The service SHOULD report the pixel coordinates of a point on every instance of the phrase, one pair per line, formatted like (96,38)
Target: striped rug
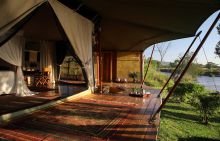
(84,119)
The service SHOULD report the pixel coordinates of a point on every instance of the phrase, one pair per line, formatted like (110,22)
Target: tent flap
(79,32)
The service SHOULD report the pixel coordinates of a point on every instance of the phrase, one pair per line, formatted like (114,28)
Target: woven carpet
(40,89)
(76,119)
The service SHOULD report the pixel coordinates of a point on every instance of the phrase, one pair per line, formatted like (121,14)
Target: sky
(178,47)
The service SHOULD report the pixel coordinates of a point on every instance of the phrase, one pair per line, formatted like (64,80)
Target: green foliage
(154,64)
(185,91)
(133,75)
(207,105)
(193,70)
(154,77)
(179,121)
(211,65)
(197,96)
(218,29)
(174,64)
(210,69)
(217,48)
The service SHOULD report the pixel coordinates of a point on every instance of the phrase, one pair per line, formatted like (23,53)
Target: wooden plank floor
(94,117)
(11,103)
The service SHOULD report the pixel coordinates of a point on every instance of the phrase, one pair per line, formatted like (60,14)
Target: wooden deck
(92,117)
(11,103)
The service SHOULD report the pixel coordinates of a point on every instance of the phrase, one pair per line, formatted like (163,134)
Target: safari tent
(98,33)
(117,26)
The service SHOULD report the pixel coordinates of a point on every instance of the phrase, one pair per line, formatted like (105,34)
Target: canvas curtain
(47,58)
(11,52)
(79,32)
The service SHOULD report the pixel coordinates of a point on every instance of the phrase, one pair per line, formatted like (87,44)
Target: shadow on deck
(90,117)
(10,103)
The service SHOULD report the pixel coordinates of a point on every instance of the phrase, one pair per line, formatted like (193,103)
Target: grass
(180,122)
(156,79)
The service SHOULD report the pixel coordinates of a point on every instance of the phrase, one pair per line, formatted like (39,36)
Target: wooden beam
(141,67)
(100,59)
(148,65)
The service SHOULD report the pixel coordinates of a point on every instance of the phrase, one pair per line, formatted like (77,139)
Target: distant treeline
(203,71)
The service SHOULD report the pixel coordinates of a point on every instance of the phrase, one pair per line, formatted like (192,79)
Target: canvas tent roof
(137,24)
(43,25)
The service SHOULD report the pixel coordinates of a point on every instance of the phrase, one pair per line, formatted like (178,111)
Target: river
(207,81)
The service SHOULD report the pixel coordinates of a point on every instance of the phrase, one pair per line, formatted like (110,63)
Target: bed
(6,81)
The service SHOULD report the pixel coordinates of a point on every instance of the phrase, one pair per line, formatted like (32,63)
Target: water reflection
(209,82)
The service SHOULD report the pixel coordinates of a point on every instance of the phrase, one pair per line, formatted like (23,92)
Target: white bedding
(6,81)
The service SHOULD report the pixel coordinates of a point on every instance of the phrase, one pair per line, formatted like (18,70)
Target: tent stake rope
(207,62)
(180,62)
(152,118)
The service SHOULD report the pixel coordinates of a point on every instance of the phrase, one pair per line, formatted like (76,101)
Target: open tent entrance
(45,44)
(70,71)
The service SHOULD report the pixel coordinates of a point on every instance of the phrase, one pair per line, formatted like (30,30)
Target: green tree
(193,70)
(186,91)
(207,105)
(154,77)
(174,64)
(162,49)
(154,63)
(217,47)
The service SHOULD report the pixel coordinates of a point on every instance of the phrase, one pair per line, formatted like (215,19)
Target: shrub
(207,105)
(185,91)
(156,79)
(196,95)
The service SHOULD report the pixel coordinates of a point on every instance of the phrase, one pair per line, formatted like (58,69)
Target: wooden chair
(41,80)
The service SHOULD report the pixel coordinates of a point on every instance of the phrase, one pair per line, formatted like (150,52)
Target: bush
(196,95)
(207,105)
(185,91)
(156,79)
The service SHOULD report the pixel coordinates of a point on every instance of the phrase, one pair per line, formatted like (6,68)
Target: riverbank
(204,72)
(210,82)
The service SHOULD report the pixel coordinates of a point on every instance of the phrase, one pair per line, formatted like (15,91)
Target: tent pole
(100,54)
(180,62)
(186,68)
(148,65)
